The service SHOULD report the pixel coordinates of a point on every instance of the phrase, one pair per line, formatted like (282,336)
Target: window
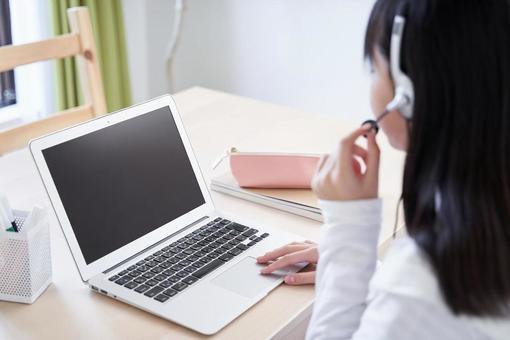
(7,83)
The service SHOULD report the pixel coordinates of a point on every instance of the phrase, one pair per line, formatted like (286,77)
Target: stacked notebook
(296,201)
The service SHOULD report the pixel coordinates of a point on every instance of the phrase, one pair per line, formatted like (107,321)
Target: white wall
(300,53)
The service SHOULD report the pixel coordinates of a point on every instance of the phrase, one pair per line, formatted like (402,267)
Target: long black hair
(456,188)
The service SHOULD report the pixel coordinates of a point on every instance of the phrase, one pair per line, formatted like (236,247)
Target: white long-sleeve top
(401,301)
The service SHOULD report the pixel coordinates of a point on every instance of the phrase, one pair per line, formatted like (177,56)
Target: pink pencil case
(272,170)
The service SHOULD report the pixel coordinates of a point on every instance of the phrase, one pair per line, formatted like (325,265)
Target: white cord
(172,45)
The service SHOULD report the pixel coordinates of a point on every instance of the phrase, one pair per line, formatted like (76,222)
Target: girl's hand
(351,172)
(293,253)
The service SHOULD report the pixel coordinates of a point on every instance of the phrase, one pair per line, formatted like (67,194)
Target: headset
(403,101)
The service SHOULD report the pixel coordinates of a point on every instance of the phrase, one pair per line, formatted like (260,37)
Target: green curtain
(108,26)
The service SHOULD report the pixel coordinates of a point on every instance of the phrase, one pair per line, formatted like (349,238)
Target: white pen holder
(25,260)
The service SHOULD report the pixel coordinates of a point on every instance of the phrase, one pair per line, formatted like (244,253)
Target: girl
(450,278)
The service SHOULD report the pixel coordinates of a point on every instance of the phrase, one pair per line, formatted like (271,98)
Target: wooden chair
(79,43)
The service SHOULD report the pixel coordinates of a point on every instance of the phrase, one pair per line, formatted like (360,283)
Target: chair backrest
(79,43)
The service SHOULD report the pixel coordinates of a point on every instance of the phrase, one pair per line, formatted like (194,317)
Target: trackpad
(244,278)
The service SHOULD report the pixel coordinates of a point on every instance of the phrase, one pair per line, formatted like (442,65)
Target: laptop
(140,223)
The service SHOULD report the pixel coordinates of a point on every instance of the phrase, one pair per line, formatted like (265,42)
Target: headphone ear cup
(404,90)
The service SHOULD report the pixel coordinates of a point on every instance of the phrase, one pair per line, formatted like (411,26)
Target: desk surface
(214,121)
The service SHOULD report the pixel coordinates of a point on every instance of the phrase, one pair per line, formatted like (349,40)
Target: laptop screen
(123,181)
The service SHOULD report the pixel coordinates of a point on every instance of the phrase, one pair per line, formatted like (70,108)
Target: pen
(4,221)
(7,212)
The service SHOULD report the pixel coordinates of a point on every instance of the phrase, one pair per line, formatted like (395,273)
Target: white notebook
(296,201)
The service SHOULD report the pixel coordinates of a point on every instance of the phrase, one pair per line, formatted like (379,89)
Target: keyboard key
(158,253)
(140,280)
(264,235)
(170,292)
(151,264)
(190,269)
(165,284)
(131,267)
(252,237)
(148,258)
(165,265)
(198,264)
(148,275)
(168,272)
(123,280)
(217,219)
(250,232)
(206,250)
(242,246)
(142,268)
(154,291)
(173,260)
(258,239)
(160,277)
(157,270)
(141,288)
(179,286)
(233,243)
(182,274)
(241,238)
(114,277)
(235,251)
(252,243)
(239,227)
(160,259)
(124,272)
(161,298)
(225,221)
(135,273)
(188,251)
(208,268)
(131,285)
(173,279)
(192,258)
(226,257)
(205,260)
(139,263)
(151,283)
(177,267)
(190,280)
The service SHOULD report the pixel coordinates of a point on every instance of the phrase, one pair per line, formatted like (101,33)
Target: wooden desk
(214,121)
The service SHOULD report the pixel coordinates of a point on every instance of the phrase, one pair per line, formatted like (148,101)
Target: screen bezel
(38,145)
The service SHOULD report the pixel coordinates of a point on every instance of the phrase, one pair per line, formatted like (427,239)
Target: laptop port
(104,292)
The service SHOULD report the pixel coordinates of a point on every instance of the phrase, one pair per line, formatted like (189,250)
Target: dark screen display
(124,181)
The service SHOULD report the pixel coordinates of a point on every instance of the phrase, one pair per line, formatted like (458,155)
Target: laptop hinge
(155,244)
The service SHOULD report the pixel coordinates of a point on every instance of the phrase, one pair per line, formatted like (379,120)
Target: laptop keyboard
(172,269)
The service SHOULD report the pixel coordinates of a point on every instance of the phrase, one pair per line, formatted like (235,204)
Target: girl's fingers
(373,156)
(274,254)
(347,145)
(307,255)
(360,152)
(300,278)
